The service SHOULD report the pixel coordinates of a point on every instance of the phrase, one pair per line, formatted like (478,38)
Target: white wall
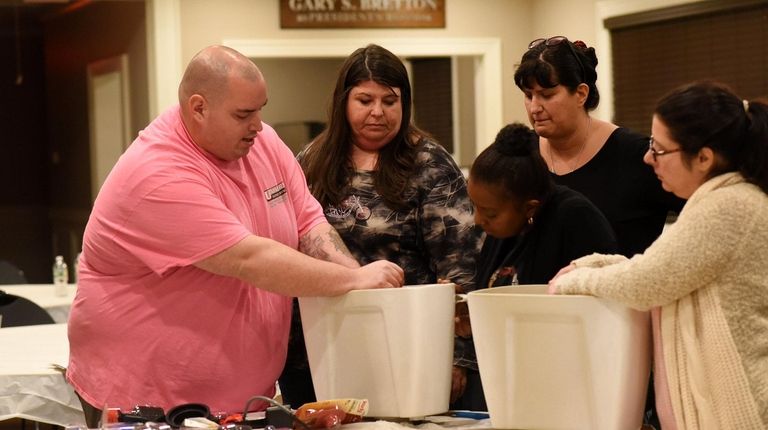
(508,20)
(513,22)
(574,19)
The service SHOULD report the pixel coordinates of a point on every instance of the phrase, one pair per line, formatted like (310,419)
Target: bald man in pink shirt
(197,241)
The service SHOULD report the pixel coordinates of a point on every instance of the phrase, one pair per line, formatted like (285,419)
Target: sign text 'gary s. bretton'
(362,13)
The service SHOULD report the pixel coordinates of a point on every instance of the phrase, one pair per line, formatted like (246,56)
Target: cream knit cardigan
(709,273)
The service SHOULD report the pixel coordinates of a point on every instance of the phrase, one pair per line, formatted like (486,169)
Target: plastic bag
(330,414)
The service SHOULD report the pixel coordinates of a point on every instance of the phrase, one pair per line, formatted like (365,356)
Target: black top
(566,227)
(626,190)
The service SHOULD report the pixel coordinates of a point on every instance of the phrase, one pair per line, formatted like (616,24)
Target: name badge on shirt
(275,194)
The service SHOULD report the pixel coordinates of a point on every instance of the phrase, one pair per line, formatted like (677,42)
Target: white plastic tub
(558,361)
(393,347)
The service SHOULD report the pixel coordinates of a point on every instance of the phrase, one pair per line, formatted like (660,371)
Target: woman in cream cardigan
(705,279)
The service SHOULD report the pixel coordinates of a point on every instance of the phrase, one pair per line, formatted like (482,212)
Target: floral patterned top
(435,237)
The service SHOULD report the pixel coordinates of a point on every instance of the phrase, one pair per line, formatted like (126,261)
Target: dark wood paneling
(432,98)
(650,59)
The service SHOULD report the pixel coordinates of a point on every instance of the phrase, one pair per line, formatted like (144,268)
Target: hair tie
(746,105)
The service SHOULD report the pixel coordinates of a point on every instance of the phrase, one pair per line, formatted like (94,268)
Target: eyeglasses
(557,40)
(656,153)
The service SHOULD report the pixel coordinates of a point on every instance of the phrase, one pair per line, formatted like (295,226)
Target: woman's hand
(458,382)
(552,288)
(462,325)
(457,287)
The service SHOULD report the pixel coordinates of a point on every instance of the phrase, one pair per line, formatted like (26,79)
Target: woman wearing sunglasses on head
(705,279)
(599,159)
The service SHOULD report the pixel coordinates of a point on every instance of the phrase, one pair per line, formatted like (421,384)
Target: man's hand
(379,274)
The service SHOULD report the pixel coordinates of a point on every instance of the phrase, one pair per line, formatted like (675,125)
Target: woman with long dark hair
(389,189)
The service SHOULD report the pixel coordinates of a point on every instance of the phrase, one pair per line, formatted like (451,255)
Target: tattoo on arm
(338,244)
(316,246)
(313,246)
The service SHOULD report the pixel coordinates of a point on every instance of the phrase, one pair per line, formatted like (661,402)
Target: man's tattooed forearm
(313,246)
(316,246)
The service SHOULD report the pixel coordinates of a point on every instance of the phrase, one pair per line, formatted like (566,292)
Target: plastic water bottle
(76,268)
(60,276)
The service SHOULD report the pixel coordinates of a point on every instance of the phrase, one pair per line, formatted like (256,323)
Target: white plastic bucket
(393,347)
(559,361)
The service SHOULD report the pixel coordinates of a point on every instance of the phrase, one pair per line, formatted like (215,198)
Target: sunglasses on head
(557,40)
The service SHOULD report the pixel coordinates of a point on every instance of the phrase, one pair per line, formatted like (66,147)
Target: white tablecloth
(448,424)
(29,386)
(43,295)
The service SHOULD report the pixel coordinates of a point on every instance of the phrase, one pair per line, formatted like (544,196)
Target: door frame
(486,52)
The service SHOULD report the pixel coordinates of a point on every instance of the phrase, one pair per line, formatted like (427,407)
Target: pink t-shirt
(147,327)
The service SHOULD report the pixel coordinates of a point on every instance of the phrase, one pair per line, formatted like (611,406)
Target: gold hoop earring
(530,220)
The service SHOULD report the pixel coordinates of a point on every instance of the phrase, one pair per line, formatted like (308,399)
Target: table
(468,424)
(30,387)
(43,295)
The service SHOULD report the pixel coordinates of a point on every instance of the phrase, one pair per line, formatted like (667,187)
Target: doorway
(485,55)
(109,116)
